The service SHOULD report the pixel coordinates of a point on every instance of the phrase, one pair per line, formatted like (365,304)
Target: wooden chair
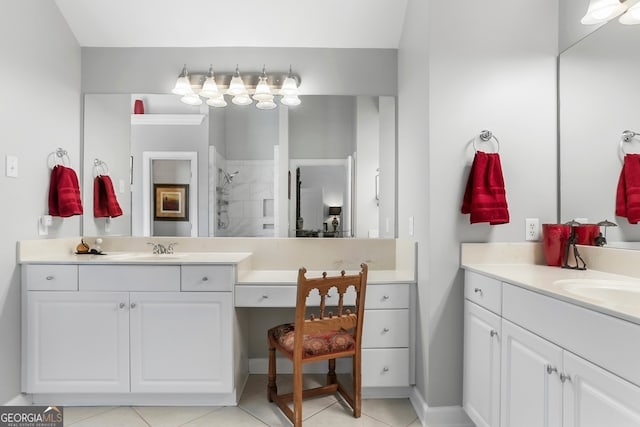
(325,336)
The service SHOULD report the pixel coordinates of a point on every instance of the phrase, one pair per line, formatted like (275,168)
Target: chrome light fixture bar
(242,88)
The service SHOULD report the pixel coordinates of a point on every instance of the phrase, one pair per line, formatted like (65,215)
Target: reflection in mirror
(597,102)
(243,157)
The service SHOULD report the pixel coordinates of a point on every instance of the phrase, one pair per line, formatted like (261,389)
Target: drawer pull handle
(265,296)
(493,333)
(133,305)
(205,279)
(49,277)
(551,369)
(385,297)
(385,330)
(565,377)
(122,305)
(385,369)
(478,291)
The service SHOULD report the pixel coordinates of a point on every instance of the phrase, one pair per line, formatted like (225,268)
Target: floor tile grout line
(144,420)
(203,415)
(252,415)
(92,416)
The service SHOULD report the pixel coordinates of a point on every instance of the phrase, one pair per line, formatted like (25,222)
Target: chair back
(349,312)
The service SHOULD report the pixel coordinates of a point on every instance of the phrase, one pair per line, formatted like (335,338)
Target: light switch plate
(11,163)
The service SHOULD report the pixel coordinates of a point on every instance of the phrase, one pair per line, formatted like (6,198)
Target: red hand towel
(628,192)
(105,203)
(64,192)
(485,197)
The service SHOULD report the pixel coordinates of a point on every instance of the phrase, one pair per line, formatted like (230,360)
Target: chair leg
(297,393)
(357,386)
(272,388)
(331,375)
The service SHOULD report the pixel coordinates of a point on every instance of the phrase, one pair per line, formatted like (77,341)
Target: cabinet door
(594,397)
(77,342)
(531,390)
(181,342)
(481,378)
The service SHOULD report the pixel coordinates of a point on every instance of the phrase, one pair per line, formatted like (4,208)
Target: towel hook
(100,168)
(58,157)
(486,136)
(628,137)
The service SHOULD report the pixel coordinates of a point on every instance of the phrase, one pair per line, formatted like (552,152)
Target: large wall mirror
(598,100)
(325,168)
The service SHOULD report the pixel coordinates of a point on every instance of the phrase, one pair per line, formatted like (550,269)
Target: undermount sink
(617,292)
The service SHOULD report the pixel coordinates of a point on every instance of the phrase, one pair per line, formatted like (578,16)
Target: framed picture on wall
(171,202)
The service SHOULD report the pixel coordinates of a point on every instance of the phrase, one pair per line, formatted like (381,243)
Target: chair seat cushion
(314,344)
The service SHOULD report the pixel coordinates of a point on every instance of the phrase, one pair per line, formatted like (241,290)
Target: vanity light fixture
(243,89)
(601,11)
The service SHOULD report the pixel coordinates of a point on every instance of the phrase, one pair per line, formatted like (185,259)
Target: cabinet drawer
(385,367)
(265,296)
(483,290)
(50,277)
(129,277)
(387,296)
(385,328)
(207,278)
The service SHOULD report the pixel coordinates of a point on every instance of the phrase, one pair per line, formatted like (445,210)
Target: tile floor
(252,410)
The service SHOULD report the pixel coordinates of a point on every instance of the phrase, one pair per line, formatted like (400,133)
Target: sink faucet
(160,249)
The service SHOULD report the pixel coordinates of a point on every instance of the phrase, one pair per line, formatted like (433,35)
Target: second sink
(612,292)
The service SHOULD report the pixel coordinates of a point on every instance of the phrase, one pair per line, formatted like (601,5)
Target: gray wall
(40,112)
(494,69)
(324,129)
(249,133)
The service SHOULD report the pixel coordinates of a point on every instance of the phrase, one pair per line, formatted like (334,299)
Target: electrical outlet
(532,229)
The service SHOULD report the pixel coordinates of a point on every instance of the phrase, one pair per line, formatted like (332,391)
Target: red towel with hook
(628,192)
(105,203)
(64,192)
(485,196)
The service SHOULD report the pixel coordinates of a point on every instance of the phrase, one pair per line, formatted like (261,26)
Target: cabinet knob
(385,369)
(49,277)
(551,369)
(133,305)
(205,279)
(122,305)
(265,296)
(565,377)
(385,297)
(478,291)
(493,333)
(385,330)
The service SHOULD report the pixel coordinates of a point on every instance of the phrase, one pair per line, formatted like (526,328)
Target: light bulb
(217,101)
(632,17)
(210,88)
(183,85)
(289,87)
(242,99)
(191,99)
(290,100)
(600,11)
(263,91)
(266,105)
(236,87)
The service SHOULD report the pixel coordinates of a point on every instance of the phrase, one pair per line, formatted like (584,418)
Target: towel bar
(100,168)
(627,136)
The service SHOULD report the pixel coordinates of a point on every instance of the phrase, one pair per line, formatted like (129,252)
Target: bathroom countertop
(141,258)
(542,279)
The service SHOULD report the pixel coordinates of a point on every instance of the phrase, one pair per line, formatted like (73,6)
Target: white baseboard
(284,366)
(20,400)
(440,416)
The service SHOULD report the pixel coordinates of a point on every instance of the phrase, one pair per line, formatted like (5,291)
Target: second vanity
(545,346)
(136,328)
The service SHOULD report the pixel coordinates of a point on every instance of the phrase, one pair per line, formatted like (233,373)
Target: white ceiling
(236,23)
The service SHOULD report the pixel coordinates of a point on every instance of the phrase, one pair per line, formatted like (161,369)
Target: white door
(531,389)
(77,342)
(594,397)
(181,342)
(481,379)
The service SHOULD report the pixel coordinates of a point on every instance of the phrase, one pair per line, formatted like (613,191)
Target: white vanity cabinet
(560,364)
(482,335)
(128,329)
